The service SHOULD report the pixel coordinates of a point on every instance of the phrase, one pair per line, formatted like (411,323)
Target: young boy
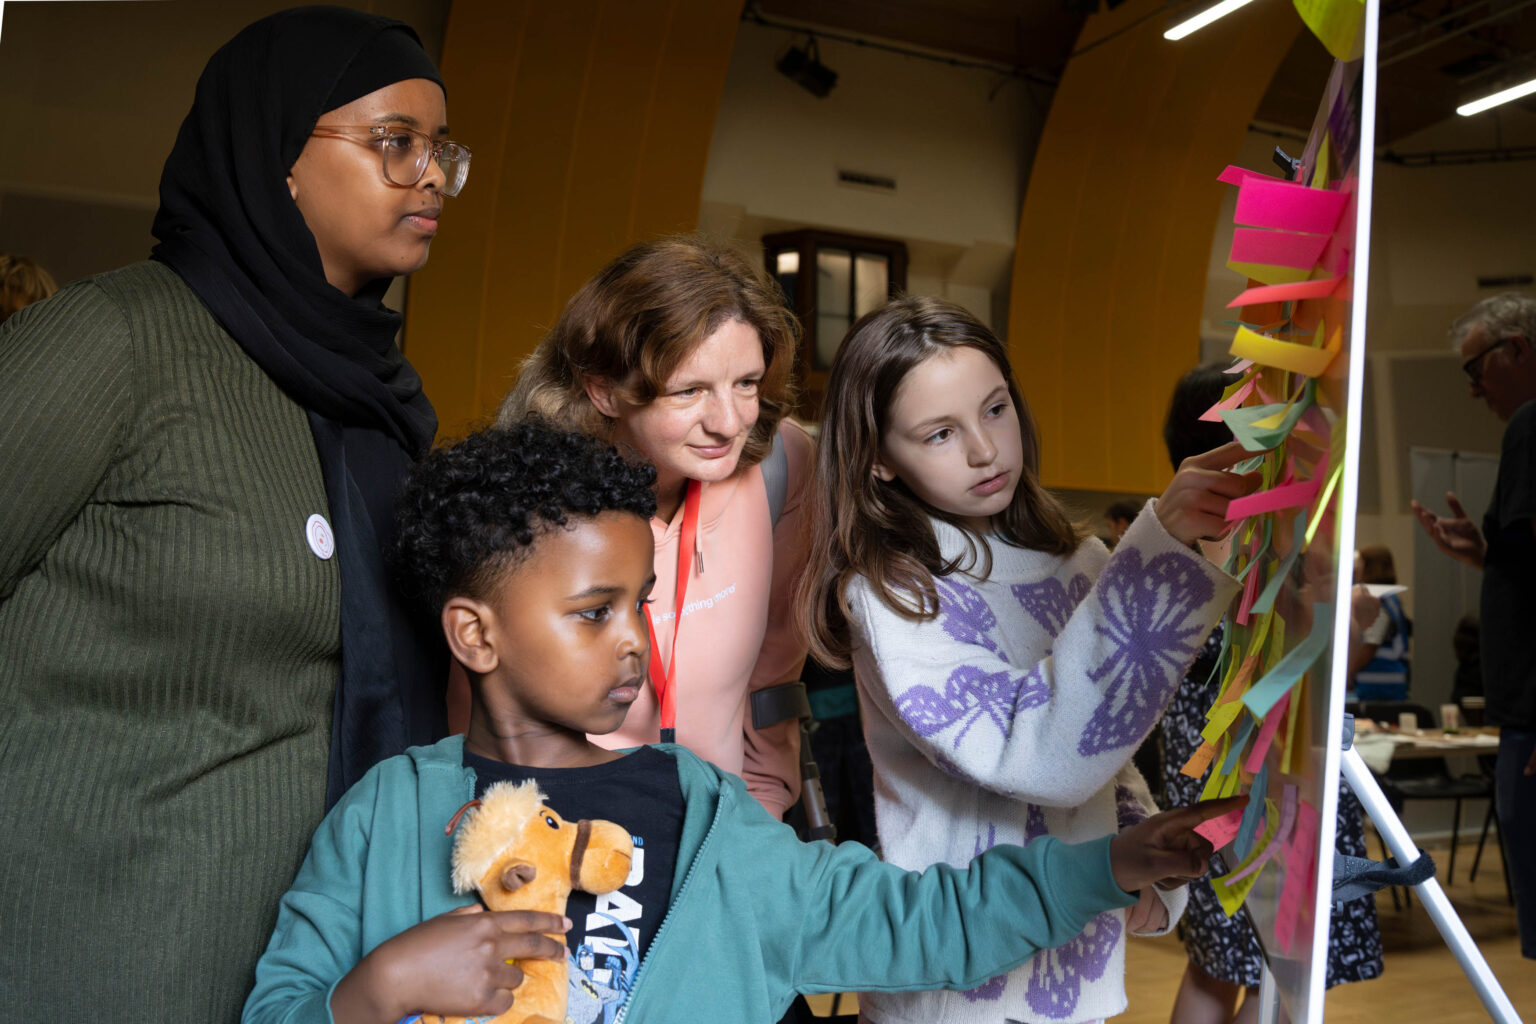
(535,545)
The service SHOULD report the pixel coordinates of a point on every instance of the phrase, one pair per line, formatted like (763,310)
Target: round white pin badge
(318,532)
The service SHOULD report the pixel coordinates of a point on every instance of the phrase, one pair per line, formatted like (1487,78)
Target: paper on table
(1384,589)
(1270,203)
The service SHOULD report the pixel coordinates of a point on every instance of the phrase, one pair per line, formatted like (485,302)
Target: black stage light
(805,69)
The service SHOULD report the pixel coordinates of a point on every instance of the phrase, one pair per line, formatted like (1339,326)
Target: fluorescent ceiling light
(1514,92)
(1204,18)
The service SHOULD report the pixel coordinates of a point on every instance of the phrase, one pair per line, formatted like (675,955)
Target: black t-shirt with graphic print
(610,934)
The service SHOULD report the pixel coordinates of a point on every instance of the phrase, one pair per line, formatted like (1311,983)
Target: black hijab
(229,227)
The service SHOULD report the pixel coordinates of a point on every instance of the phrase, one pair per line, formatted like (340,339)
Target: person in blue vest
(1380,666)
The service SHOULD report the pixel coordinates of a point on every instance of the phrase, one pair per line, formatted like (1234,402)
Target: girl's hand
(462,963)
(1194,506)
(1148,915)
(1166,848)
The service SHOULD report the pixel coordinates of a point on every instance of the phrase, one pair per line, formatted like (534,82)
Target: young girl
(1007,667)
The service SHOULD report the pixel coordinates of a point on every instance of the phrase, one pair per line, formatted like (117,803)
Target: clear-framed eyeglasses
(406,153)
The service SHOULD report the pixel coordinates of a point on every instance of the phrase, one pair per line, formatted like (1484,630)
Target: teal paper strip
(1266,599)
(1253,815)
(1278,681)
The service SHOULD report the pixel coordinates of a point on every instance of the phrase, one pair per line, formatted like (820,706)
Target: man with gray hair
(1497,341)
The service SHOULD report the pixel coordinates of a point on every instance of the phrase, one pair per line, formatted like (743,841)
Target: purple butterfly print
(991,840)
(966,616)
(972,695)
(1146,614)
(1051,604)
(1128,809)
(990,990)
(1034,823)
(1057,979)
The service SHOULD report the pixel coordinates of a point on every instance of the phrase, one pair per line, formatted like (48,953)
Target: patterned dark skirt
(1225,947)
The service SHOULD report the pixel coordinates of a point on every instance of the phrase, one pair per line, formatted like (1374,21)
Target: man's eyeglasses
(406,153)
(1474,367)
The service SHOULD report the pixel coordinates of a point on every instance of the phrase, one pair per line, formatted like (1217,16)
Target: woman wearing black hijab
(198,457)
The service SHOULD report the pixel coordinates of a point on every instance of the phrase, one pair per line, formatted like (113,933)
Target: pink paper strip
(1298,872)
(1270,203)
(1213,414)
(1220,831)
(1234,175)
(1314,422)
(1287,496)
(1285,292)
(1266,735)
(1277,248)
(1241,366)
(1250,594)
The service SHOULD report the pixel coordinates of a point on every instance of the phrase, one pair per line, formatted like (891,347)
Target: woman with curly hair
(680,349)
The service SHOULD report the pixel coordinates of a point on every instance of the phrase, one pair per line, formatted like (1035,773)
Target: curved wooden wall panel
(590,121)
(1115,233)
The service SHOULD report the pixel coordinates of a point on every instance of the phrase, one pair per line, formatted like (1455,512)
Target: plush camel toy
(520,855)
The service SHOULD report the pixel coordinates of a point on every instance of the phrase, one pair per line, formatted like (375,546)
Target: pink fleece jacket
(737,631)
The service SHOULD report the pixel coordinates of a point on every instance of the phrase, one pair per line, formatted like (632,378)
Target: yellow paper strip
(1232,894)
(1299,699)
(1219,719)
(1285,355)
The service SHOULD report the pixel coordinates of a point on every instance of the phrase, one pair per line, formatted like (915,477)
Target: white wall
(957,141)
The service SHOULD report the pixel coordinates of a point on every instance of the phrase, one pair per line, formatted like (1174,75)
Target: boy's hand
(1194,505)
(1166,848)
(462,963)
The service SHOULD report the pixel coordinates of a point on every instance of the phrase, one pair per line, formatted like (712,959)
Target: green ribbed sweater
(169,649)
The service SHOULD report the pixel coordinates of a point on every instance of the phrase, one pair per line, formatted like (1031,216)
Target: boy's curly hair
(474,508)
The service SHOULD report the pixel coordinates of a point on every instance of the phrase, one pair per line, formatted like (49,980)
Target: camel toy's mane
(492,827)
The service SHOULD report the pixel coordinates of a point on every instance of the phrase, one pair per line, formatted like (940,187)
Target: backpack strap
(776,478)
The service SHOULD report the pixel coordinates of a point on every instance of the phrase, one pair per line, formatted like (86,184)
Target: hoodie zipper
(666,921)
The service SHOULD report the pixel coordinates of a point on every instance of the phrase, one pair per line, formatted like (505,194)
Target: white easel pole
(1430,893)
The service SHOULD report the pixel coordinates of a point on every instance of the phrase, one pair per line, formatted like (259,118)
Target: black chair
(1486,763)
(1425,778)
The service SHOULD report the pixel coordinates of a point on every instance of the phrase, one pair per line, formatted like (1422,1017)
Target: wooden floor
(1422,980)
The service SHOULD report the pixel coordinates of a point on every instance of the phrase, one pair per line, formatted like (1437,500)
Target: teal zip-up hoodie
(756,914)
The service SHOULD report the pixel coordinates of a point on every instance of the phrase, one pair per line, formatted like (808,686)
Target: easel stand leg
(1430,893)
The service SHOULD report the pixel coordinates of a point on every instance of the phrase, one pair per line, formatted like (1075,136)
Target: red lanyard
(662,679)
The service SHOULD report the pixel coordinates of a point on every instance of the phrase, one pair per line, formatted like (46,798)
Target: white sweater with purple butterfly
(1013,714)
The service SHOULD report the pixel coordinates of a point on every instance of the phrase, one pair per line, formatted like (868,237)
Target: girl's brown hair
(640,317)
(863,526)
